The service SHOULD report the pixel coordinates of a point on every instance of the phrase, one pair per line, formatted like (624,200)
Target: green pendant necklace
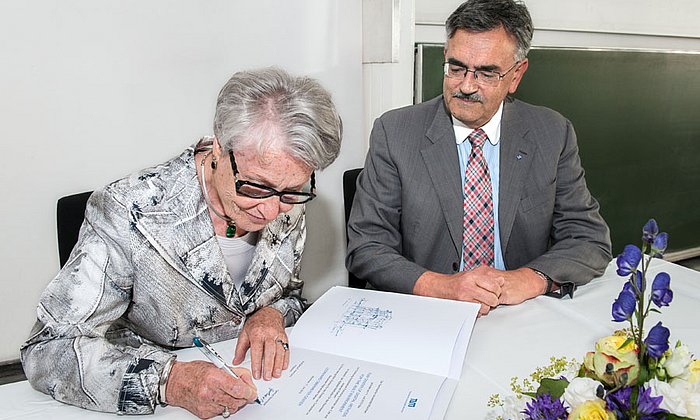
(231,225)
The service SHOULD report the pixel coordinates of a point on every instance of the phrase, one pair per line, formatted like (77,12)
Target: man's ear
(518,73)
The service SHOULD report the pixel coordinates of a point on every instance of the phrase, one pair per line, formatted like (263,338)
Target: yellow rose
(609,362)
(694,369)
(591,410)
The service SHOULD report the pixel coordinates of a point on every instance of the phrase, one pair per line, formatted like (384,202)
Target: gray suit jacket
(407,215)
(147,275)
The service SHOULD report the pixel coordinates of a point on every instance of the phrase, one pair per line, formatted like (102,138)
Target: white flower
(676,364)
(685,387)
(692,405)
(673,400)
(690,394)
(581,390)
(571,372)
(513,407)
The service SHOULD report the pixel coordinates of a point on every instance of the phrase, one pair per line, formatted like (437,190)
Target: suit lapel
(517,153)
(271,266)
(174,220)
(207,269)
(442,163)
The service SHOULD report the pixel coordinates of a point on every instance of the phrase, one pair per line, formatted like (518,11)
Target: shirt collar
(491,128)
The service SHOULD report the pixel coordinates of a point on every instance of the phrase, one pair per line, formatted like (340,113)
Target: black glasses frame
(487,81)
(287,197)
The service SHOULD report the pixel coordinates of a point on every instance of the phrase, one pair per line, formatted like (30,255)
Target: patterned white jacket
(146,276)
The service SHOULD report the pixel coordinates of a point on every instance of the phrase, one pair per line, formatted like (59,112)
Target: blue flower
(649,231)
(657,340)
(628,261)
(624,305)
(619,401)
(639,290)
(658,247)
(661,294)
(648,406)
(544,407)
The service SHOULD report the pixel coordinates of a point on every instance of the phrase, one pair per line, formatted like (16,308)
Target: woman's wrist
(163,383)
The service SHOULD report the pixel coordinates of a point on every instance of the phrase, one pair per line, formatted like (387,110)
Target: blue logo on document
(412,402)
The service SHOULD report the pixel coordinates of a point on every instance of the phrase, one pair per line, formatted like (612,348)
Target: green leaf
(634,395)
(654,310)
(643,374)
(669,416)
(553,387)
(629,340)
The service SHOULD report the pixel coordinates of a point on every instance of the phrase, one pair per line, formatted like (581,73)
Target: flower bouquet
(631,374)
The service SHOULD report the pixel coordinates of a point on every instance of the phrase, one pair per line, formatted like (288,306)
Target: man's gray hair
(264,108)
(485,15)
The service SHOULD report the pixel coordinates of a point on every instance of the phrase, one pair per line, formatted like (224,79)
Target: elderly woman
(207,244)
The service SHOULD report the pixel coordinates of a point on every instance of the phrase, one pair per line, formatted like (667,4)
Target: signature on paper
(267,396)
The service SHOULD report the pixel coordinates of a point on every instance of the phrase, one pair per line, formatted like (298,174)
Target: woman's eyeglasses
(253,190)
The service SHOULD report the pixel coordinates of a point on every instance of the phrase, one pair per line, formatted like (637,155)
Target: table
(514,341)
(510,341)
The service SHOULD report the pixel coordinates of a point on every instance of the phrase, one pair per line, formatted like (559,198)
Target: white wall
(93,90)
(389,85)
(673,17)
(636,24)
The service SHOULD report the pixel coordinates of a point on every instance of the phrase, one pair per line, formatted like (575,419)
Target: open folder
(365,354)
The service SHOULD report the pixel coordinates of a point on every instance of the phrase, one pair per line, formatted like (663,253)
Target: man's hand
(263,332)
(207,391)
(482,285)
(520,285)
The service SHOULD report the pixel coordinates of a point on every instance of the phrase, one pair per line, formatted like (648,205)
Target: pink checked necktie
(478,207)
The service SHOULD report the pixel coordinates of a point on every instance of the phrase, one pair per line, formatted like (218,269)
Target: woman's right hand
(207,391)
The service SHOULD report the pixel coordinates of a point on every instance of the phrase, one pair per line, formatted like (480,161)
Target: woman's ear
(217,150)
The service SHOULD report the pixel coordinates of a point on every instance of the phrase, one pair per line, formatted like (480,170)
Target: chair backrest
(349,187)
(70,212)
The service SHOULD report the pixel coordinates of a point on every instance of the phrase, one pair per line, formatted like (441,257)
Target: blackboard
(637,119)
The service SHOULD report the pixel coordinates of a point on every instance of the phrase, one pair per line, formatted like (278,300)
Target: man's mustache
(468,97)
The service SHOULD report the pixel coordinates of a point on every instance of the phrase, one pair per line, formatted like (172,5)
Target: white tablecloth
(510,341)
(514,341)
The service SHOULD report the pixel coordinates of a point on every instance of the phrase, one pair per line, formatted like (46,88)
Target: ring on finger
(284,344)
(225,413)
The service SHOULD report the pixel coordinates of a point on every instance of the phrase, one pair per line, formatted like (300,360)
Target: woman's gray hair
(264,108)
(485,15)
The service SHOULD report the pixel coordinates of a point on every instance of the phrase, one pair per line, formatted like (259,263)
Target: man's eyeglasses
(253,190)
(482,77)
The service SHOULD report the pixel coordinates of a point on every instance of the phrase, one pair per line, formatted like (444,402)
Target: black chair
(349,187)
(70,212)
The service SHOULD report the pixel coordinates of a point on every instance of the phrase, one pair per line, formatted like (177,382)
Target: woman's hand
(263,332)
(207,391)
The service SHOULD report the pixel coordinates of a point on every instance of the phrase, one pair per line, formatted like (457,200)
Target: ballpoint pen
(215,358)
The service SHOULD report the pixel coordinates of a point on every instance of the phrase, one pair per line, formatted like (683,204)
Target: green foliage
(553,387)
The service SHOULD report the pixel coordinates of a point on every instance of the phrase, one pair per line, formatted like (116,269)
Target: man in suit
(416,225)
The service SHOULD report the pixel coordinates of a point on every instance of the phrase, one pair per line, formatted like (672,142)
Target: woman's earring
(213,163)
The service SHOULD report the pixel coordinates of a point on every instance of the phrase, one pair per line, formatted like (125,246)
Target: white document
(364,354)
